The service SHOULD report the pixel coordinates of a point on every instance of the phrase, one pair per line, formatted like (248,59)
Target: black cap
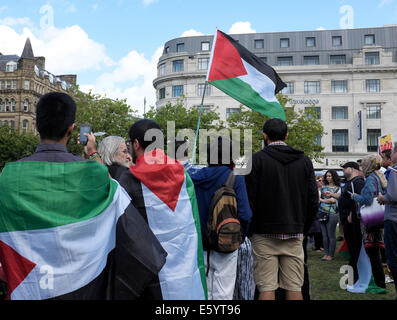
(351,164)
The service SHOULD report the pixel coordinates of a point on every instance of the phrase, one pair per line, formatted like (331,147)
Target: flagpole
(198,123)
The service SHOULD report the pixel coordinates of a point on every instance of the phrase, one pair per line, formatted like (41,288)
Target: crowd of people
(279,204)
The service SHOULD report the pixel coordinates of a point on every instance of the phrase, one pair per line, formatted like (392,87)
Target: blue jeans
(329,237)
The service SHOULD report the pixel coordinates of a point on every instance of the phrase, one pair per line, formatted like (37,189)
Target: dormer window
(11,66)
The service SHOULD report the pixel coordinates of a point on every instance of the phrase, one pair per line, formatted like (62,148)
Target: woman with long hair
(329,205)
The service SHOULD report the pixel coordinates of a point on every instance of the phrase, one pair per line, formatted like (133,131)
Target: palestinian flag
(68,231)
(164,194)
(344,250)
(243,76)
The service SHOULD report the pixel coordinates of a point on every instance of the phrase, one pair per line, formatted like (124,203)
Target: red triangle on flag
(226,60)
(161,175)
(16,267)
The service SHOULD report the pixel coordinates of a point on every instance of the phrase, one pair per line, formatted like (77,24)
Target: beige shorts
(277,263)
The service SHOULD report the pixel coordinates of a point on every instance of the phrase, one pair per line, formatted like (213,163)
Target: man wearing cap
(348,211)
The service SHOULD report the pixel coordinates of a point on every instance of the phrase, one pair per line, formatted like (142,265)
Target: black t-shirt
(345,203)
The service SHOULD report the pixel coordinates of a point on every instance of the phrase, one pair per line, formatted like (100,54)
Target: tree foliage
(303,128)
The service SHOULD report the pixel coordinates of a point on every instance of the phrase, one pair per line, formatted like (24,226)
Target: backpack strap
(231,180)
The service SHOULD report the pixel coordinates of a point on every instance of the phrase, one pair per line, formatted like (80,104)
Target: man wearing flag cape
(68,231)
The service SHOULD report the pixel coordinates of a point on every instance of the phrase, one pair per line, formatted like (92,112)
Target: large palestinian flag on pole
(68,231)
(164,194)
(243,76)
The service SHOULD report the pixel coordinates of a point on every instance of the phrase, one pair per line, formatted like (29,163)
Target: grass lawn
(324,280)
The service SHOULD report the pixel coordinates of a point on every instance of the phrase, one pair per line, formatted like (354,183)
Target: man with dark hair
(284,199)
(164,195)
(68,231)
(222,269)
(387,163)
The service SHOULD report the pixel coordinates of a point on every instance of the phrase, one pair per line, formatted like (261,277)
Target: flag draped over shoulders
(68,231)
(243,76)
(164,194)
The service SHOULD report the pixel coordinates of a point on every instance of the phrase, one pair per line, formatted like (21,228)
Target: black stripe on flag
(257,63)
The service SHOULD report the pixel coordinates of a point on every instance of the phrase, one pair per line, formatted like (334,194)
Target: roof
(5,59)
(27,52)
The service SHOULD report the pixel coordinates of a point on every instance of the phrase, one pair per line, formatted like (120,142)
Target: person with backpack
(225,216)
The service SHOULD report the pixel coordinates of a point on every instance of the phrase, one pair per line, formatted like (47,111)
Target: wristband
(92,153)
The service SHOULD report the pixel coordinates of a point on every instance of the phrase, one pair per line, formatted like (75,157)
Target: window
(313,113)
(200,89)
(230,111)
(205,46)
(25,125)
(162,93)
(12,124)
(177,66)
(26,105)
(340,140)
(14,84)
(312,87)
(8,84)
(203,63)
(8,105)
(259,44)
(369,39)
(339,86)
(167,50)
(310,42)
(372,85)
(374,111)
(337,59)
(372,139)
(2,85)
(289,89)
(372,58)
(162,69)
(337,41)
(1,106)
(284,61)
(13,105)
(317,142)
(180,47)
(284,43)
(11,66)
(27,85)
(177,91)
(340,113)
(311,60)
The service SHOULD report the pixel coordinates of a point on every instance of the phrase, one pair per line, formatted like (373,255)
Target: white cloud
(70,45)
(383,3)
(241,27)
(135,73)
(191,33)
(320,28)
(13,22)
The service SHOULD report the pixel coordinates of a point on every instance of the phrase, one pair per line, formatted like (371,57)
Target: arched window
(25,125)
(1,106)
(13,105)
(12,124)
(26,105)
(7,105)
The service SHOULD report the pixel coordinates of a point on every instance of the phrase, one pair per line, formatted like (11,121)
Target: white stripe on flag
(180,277)
(67,257)
(262,84)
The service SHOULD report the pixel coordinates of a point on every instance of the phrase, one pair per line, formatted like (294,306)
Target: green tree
(303,128)
(114,117)
(15,145)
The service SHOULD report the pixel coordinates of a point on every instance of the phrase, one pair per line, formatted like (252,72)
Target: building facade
(23,80)
(348,76)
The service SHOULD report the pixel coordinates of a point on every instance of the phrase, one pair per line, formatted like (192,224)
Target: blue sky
(114,46)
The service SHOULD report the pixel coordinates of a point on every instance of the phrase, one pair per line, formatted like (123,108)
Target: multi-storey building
(23,80)
(348,76)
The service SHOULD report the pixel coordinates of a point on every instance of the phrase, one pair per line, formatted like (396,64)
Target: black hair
(335,177)
(275,129)
(215,153)
(55,113)
(387,153)
(139,129)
